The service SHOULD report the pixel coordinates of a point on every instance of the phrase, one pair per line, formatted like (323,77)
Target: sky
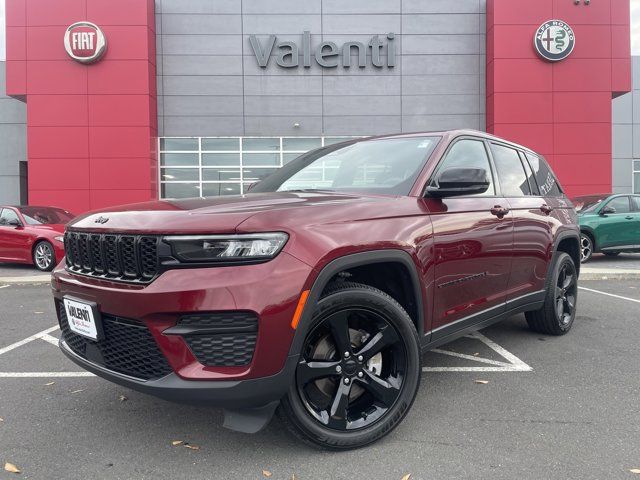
(635,28)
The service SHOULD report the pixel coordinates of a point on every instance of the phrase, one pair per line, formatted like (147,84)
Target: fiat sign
(85,42)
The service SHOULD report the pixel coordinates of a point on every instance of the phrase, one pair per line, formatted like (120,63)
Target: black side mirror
(607,210)
(459,181)
(14,222)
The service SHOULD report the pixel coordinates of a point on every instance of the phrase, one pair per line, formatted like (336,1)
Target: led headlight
(226,248)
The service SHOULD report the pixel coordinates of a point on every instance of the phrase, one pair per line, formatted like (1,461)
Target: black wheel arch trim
(350,261)
(575,234)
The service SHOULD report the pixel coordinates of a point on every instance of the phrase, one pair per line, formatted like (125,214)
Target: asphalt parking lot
(558,408)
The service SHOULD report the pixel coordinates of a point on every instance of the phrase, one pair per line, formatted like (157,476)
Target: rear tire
(559,310)
(44,258)
(359,370)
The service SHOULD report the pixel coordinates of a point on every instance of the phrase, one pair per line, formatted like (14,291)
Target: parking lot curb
(29,279)
(608,274)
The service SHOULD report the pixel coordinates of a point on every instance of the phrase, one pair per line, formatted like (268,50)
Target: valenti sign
(85,42)
(290,54)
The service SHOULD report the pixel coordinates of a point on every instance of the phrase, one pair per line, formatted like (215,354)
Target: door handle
(628,217)
(499,211)
(546,209)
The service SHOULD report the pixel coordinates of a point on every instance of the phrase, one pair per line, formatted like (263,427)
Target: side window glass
(621,204)
(636,201)
(7,215)
(469,154)
(532,179)
(546,179)
(513,180)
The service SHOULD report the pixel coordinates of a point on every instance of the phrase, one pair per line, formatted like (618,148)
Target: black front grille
(127,347)
(130,258)
(221,339)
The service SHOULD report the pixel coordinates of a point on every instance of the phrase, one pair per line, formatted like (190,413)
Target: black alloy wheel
(559,309)
(358,372)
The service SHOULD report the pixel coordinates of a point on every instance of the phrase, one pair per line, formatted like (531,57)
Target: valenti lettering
(326,54)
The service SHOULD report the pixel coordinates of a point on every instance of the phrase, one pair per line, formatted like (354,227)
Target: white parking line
(609,294)
(45,374)
(4,286)
(27,340)
(49,338)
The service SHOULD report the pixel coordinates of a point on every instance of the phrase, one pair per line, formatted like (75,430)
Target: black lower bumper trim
(250,393)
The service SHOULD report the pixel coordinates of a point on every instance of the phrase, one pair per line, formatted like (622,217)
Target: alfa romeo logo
(85,42)
(554,40)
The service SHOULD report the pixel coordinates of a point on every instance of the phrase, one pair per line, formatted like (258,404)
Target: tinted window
(621,204)
(468,154)
(532,180)
(386,165)
(7,215)
(547,181)
(513,180)
(45,215)
(636,201)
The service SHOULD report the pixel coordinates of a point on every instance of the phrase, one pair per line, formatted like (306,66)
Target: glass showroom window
(636,176)
(212,166)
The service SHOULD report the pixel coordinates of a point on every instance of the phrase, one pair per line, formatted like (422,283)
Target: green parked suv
(608,223)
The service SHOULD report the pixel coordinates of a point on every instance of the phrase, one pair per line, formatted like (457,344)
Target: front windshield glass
(386,166)
(588,203)
(45,215)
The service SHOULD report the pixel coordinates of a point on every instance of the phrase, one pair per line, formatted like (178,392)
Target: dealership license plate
(82,318)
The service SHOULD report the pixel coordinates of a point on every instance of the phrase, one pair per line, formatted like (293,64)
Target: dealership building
(105,102)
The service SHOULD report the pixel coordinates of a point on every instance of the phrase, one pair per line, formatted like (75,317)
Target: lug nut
(346,381)
(360,374)
(360,358)
(339,369)
(346,354)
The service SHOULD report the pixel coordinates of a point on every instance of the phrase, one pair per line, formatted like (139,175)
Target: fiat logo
(85,42)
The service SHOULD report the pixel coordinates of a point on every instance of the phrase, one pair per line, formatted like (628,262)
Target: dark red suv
(318,291)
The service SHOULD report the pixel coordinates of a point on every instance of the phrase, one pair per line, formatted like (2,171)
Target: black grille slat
(130,258)
(127,347)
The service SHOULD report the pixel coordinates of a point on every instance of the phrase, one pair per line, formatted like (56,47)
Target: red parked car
(32,235)
(318,291)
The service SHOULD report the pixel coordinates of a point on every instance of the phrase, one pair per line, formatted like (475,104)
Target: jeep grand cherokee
(318,291)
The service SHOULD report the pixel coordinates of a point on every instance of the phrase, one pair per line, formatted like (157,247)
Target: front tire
(44,258)
(586,248)
(559,310)
(359,370)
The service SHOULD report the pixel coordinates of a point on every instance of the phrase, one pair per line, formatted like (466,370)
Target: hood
(52,227)
(216,215)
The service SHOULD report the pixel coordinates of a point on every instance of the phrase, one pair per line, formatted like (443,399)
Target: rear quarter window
(547,181)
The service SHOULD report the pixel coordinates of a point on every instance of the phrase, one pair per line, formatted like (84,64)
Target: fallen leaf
(10,467)
(407,476)
(38,312)
(1,419)
(49,384)
(482,382)
(78,391)
(122,398)
(266,473)
(293,476)
(177,442)
(192,447)
(476,354)
(635,470)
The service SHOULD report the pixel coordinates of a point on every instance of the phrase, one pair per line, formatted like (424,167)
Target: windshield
(588,203)
(45,215)
(386,165)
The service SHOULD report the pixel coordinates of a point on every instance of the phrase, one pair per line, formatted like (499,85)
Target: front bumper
(270,290)
(238,394)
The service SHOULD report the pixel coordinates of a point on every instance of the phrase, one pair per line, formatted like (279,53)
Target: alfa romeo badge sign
(85,42)
(554,40)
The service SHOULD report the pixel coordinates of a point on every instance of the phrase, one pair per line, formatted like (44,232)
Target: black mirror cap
(460,181)
(14,222)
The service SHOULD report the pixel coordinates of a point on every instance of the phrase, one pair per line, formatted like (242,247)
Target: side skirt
(480,320)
